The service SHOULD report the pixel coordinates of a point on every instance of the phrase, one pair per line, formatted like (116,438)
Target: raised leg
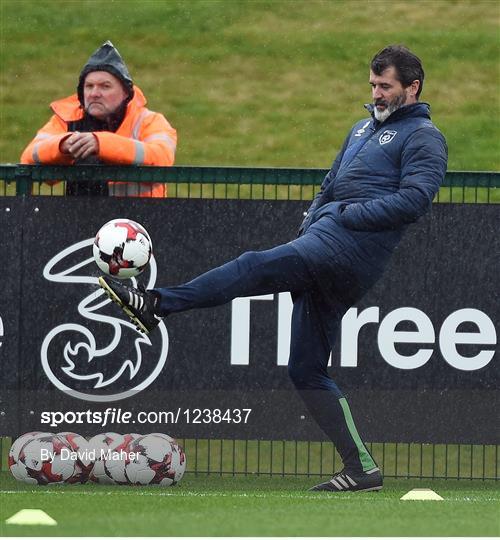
(253,273)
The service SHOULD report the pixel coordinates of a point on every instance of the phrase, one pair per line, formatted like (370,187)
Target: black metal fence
(224,182)
(229,457)
(283,458)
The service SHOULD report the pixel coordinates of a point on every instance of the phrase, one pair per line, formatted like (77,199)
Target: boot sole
(116,299)
(374,488)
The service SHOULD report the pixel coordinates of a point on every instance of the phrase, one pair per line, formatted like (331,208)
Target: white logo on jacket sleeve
(362,129)
(387,136)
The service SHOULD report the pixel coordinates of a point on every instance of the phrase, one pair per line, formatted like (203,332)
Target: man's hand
(80,145)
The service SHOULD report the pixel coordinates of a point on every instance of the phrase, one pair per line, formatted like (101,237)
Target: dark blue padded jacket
(384,178)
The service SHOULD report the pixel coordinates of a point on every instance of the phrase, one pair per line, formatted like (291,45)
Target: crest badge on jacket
(387,136)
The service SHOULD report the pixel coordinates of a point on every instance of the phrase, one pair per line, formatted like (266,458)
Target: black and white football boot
(137,304)
(346,480)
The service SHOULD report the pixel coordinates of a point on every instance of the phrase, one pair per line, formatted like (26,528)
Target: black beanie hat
(106,58)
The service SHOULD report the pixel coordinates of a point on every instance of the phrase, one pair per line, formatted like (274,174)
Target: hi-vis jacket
(143,138)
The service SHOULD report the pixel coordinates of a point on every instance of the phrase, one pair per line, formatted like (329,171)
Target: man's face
(388,93)
(103,93)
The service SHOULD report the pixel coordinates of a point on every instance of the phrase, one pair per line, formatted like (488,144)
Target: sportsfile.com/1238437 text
(114,415)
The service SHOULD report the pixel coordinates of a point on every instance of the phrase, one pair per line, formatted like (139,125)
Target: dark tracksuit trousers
(278,270)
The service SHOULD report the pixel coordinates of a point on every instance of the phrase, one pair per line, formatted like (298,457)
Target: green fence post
(23,180)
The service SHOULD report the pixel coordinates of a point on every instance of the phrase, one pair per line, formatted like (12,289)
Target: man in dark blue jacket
(385,177)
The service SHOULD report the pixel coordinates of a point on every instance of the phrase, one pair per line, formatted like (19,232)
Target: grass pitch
(253,506)
(260,82)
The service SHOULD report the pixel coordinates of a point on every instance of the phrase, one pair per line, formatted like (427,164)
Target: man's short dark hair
(408,65)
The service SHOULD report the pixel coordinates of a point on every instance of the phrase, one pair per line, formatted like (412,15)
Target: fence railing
(306,458)
(283,458)
(224,182)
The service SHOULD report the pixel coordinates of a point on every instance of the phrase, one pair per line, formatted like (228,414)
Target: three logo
(117,364)
(120,362)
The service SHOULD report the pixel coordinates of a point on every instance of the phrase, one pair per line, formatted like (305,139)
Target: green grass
(257,82)
(253,506)
(258,506)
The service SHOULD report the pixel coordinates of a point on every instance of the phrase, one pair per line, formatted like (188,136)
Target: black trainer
(349,481)
(138,304)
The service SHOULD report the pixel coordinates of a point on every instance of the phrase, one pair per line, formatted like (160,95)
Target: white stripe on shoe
(135,300)
(350,480)
(117,300)
(342,481)
(336,484)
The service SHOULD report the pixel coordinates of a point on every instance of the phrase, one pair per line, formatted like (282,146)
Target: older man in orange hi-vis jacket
(106,122)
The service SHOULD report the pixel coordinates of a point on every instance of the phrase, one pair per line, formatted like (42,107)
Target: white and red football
(155,459)
(122,248)
(44,459)
(84,462)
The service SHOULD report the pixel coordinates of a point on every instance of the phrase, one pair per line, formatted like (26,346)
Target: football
(117,459)
(84,463)
(99,446)
(43,459)
(122,248)
(155,459)
(18,471)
